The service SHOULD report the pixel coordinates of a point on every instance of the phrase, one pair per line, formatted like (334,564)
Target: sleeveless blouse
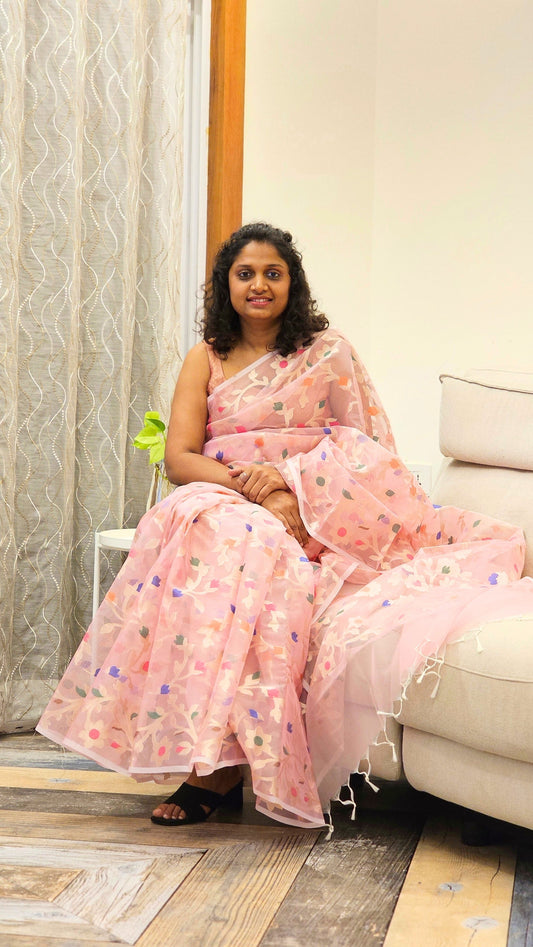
(215,365)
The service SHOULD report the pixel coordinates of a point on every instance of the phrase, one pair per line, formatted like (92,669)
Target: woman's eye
(244,274)
(273,274)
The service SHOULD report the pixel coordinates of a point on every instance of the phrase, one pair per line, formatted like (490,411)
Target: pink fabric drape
(222,641)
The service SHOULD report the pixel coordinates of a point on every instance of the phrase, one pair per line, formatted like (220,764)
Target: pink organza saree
(222,641)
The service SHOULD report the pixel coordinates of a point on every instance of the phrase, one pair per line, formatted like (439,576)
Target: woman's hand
(257,481)
(284,506)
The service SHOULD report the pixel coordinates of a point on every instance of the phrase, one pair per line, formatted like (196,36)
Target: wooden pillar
(226,122)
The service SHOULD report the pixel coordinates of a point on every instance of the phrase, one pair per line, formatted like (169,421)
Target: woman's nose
(259,282)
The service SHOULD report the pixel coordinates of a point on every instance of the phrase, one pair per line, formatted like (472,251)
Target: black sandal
(191,799)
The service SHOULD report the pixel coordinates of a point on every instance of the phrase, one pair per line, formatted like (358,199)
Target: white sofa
(472,743)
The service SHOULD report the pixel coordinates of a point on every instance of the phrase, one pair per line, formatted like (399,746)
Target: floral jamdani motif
(222,641)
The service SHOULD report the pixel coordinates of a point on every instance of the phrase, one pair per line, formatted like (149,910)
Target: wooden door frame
(226,122)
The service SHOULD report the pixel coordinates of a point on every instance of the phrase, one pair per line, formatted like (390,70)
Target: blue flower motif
(114,671)
(248,527)
(327,430)
(289,727)
(196,518)
(304,559)
(439,534)
(177,593)
(386,603)
(96,673)
(323,455)
(493,578)
(232,608)
(165,689)
(294,636)
(254,714)
(140,585)
(220,454)
(156,581)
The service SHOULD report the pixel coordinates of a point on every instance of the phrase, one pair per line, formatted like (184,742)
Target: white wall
(395,139)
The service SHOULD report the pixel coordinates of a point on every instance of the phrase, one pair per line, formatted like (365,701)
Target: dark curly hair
(301,319)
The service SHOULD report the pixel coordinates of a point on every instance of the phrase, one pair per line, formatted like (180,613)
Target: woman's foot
(222,781)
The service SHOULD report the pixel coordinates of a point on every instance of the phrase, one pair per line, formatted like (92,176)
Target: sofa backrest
(486,434)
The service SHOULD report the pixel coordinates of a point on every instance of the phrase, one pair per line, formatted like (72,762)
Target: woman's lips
(259,301)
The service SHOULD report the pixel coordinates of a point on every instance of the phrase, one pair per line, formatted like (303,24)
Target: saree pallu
(222,641)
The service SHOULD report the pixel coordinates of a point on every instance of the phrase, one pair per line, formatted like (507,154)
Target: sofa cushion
(485,697)
(487,418)
(497,491)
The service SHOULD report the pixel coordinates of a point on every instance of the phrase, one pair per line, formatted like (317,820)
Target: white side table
(108,539)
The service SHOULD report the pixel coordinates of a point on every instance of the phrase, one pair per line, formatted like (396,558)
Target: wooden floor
(81,864)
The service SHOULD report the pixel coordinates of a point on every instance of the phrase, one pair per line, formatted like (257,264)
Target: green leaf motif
(310,597)
(179,639)
(446,570)
(194,714)
(347,494)
(144,632)
(81,692)
(258,741)
(396,528)
(132,716)
(194,561)
(256,675)
(278,406)
(284,453)
(96,692)
(477,522)
(389,493)
(153,714)
(320,481)
(322,404)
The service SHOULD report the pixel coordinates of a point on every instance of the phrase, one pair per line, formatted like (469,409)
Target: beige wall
(394,138)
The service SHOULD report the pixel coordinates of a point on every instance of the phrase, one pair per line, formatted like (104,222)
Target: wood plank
(33,917)
(79,781)
(29,881)
(454,892)
(91,803)
(130,830)
(226,122)
(58,853)
(32,749)
(521,921)
(231,897)
(346,892)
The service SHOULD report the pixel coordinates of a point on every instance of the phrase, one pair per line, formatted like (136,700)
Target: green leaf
(157,453)
(153,714)
(194,561)
(396,528)
(258,741)
(278,406)
(194,714)
(446,570)
(96,692)
(477,522)
(256,675)
(144,632)
(389,493)
(347,494)
(132,716)
(179,639)
(81,692)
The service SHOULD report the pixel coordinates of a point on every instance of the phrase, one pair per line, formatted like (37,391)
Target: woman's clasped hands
(263,484)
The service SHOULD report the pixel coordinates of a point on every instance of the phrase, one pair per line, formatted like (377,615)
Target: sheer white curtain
(91,170)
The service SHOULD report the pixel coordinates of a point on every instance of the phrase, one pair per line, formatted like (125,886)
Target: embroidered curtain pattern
(91,165)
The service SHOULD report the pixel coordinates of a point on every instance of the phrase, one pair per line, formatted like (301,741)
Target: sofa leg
(475,829)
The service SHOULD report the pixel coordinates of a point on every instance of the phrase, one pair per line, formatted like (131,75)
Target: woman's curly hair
(301,319)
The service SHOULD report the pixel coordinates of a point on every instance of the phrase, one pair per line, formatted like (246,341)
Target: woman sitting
(296,545)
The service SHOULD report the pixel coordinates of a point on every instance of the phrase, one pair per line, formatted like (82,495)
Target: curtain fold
(91,167)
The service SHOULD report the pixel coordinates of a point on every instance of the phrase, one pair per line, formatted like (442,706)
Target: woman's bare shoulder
(197,361)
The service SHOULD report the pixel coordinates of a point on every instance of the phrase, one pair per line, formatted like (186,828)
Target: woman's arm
(186,429)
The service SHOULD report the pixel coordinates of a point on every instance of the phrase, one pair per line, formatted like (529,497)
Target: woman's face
(259,283)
